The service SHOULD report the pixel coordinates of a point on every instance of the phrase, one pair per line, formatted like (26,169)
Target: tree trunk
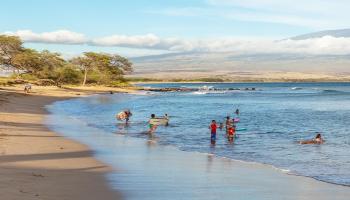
(85,76)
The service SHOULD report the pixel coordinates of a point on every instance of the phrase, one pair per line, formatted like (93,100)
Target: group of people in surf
(153,122)
(230,127)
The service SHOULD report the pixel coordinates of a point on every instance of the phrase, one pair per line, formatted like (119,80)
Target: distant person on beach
(317,140)
(237,111)
(27,88)
(152,127)
(213,126)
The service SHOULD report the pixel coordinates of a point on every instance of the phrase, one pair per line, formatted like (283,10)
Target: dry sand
(36,163)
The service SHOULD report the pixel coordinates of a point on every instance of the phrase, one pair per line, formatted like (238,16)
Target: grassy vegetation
(141,79)
(4,81)
(211,80)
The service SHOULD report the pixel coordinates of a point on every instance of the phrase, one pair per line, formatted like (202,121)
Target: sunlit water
(275,116)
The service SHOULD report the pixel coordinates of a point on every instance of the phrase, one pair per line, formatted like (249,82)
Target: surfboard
(241,129)
(159,121)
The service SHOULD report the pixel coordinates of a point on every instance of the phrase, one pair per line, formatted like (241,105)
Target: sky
(146,27)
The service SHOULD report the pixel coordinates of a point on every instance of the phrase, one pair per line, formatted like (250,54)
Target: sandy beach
(36,163)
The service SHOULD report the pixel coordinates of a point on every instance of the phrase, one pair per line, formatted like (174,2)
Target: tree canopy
(91,67)
(10,46)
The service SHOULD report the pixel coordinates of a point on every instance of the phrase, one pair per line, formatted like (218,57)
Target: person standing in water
(228,124)
(231,133)
(167,118)
(221,126)
(152,127)
(213,126)
(237,112)
(128,114)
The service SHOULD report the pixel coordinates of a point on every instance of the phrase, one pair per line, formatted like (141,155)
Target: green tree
(120,65)
(28,60)
(50,64)
(68,74)
(100,67)
(10,46)
(91,61)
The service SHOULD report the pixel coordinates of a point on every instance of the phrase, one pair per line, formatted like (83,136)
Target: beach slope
(36,163)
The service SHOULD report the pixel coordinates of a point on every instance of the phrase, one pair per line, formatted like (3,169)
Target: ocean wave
(296,88)
(333,91)
(208,92)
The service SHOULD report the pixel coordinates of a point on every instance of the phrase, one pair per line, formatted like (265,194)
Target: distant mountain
(202,64)
(230,62)
(334,33)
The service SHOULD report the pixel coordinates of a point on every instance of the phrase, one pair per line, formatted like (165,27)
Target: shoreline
(152,171)
(36,162)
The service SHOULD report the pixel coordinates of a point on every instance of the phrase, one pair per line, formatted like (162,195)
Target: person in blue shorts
(213,126)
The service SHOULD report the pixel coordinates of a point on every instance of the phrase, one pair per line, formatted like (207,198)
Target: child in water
(231,133)
(221,126)
(237,111)
(213,126)
(152,127)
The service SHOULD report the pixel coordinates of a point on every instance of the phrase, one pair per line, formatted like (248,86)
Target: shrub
(27,77)
(119,84)
(69,75)
(45,82)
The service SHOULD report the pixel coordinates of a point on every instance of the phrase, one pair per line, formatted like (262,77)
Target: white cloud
(149,41)
(326,45)
(55,37)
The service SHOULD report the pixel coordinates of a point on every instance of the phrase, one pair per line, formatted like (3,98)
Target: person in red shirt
(213,126)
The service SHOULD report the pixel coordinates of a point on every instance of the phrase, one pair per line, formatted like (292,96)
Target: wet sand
(36,163)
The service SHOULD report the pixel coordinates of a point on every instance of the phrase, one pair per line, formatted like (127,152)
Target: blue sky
(158,26)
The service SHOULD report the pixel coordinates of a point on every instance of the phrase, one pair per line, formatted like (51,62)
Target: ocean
(275,116)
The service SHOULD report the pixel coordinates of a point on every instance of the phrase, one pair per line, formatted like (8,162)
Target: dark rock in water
(170,89)
(189,89)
